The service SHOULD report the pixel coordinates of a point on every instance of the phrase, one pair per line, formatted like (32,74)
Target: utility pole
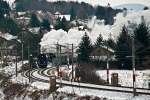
(68,55)
(131,27)
(30,65)
(107,65)
(57,58)
(72,63)
(22,46)
(16,61)
(133,66)
(59,55)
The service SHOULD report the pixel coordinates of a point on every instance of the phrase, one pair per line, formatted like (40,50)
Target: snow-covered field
(125,77)
(93,93)
(11,68)
(103,94)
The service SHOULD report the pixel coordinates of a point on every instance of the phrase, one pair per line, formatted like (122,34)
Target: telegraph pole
(30,65)
(107,65)
(16,61)
(22,46)
(68,55)
(133,66)
(57,58)
(72,63)
(29,59)
(131,27)
(22,49)
(59,55)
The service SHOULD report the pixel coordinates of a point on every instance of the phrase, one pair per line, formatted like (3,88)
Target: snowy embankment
(37,86)
(92,93)
(11,68)
(102,94)
(125,77)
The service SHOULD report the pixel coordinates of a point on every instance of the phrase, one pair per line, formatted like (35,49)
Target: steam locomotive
(40,62)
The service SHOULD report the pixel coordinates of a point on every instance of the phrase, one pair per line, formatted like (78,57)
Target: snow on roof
(7,36)
(23,18)
(57,13)
(66,16)
(21,13)
(35,30)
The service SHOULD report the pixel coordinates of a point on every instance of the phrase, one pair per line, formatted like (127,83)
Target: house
(102,53)
(59,15)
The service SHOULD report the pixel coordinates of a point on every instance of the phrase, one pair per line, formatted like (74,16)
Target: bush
(88,74)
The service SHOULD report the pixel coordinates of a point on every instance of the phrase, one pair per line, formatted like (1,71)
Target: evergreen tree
(99,41)
(4,8)
(58,23)
(111,43)
(142,37)
(34,22)
(46,24)
(64,24)
(85,48)
(10,26)
(72,14)
(123,50)
(142,34)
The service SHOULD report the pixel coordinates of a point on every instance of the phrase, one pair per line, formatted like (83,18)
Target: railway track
(43,75)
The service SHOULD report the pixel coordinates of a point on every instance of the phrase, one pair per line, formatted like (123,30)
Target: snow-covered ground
(93,93)
(102,94)
(125,77)
(11,68)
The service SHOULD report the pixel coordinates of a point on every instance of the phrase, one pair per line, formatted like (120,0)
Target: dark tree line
(122,47)
(75,9)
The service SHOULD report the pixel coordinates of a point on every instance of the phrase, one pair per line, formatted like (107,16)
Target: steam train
(40,62)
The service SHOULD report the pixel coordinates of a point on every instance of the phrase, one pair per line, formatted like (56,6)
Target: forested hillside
(81,10)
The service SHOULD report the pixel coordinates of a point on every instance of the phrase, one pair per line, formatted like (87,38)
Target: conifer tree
(4,8)
(111,43)
(142,37)
(142,34)
(64,24)
(72,14)
(123,50)
(46,24)
(34,22)
(85,48)
(58,23)
(99,41)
